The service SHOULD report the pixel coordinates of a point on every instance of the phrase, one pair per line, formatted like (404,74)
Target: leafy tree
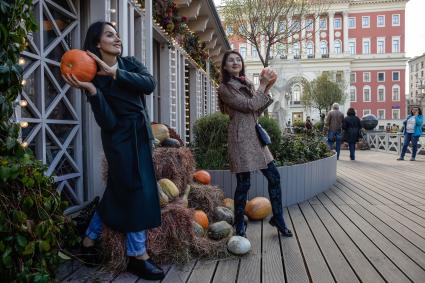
(270,22)
(33,229)
(322,92)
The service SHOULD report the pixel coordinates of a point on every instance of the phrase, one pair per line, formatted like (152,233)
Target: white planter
(299,182)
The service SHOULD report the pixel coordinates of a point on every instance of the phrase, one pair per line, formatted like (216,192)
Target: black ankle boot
(241,229)
(146,269)
(285,232)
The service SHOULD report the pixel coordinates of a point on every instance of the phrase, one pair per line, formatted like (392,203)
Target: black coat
(130,202)
(351,126)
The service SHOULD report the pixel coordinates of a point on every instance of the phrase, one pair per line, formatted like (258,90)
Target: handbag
(262,135)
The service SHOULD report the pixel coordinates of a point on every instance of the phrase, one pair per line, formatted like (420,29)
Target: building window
(296,49)
(366,94)
(254,52)
(380,21)
(256,79)
(381,114)
(353,94)
(366,77)
(296,93)
(353,77)
(365,21)
(242,51)
(280,49)
(396,44)
(396,114)
(352,22)
(381,77)
(323,47)
(323,23)
(309,25)
(396,76)
(229,30)
(352,46)
(338,46)
(310,48)
(396,20)
(366,112)
(337,23)
(381,45)
(381,93)
(282,26)
(296,26)
(396,93)
(366,46)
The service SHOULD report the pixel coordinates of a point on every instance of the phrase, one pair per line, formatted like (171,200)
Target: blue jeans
(407,139)
(275,193)
(352,147)
(136,241)
(335,136)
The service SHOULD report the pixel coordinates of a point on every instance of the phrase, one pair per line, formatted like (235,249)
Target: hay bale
(205,198)
(176,164)
(113,250)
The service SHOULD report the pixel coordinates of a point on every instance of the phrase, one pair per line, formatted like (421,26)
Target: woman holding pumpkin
(130,202)
(244,104)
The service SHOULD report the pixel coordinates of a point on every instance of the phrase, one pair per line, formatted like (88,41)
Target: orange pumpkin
(202,177)
(80,64)
(258,208)
(201,218)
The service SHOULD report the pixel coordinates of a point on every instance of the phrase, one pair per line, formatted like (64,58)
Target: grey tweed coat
(244,105)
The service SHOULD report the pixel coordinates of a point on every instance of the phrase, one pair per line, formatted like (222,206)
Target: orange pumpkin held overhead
(201,218)
(202,176)
(80,64)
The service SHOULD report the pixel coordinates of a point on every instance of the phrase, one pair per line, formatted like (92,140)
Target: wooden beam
(182,3)
(212,43)
(198,25)
(206,35)
(216,51)
(192,11)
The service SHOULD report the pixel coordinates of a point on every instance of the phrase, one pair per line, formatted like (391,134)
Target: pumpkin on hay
(202,176)
(169,188)
(160,132)
(258,208)
(201,218)
(80,64)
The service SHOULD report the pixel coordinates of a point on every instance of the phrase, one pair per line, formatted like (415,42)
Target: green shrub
(210,141)
(273,129)
(298,126)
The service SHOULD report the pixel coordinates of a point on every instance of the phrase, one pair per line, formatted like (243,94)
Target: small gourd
(219,230)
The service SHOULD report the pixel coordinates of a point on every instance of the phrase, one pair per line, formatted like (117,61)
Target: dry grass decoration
(174,242)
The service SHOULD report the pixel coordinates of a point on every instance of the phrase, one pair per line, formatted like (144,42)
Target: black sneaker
(145,269)
(285,232)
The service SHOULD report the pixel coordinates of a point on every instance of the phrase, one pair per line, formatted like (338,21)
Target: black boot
(285,232)
(146,269)
(241,195)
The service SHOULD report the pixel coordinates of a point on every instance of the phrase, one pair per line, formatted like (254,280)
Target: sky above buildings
(415,27)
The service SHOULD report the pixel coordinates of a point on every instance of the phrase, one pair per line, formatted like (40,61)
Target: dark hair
(351,112)
(93,35)
(225,76)
(419,110)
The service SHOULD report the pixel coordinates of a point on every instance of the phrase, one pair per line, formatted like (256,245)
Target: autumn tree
(269,22)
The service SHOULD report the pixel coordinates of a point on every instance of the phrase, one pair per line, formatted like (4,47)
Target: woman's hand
(74,82)
(267,78)
(105,69)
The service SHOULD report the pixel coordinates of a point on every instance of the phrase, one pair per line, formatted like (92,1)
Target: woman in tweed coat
(244,104)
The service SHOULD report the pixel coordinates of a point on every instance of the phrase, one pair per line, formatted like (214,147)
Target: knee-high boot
(241,195)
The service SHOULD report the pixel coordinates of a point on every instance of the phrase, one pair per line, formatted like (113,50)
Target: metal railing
(392,143)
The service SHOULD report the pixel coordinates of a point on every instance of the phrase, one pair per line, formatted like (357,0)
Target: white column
(123,26)
(303,39)
(149,49)
(317,36)
(345,31)
(331,32)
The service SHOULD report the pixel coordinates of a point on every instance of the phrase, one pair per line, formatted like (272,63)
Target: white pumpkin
(238,245)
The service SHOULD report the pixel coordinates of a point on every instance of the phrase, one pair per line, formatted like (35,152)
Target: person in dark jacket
(351,126)
(308,124)
(130,203)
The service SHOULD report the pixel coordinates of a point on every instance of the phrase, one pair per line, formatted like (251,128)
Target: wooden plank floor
(369,227)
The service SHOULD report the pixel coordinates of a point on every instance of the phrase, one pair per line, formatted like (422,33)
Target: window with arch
(381,93)
(296,48)
(366,94)
(396,93)
(323,47)
(338,46)
(353,94)
(296,93)
(310,48)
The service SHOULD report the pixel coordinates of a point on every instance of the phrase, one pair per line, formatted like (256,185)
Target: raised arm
(139,79)
(241,103)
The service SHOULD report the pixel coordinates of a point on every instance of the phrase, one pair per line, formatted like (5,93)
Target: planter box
(299,182)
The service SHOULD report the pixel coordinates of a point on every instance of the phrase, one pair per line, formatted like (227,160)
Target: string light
(24,144)
(24,82)
(112,11)
(23,124)
(114,23)
(23,103)
(21,61)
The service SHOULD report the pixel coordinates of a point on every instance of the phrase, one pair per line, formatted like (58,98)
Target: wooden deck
(369,227)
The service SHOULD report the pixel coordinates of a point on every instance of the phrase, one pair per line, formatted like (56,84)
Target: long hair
(419,110)
(93,35)
(351,112)
(225,76)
